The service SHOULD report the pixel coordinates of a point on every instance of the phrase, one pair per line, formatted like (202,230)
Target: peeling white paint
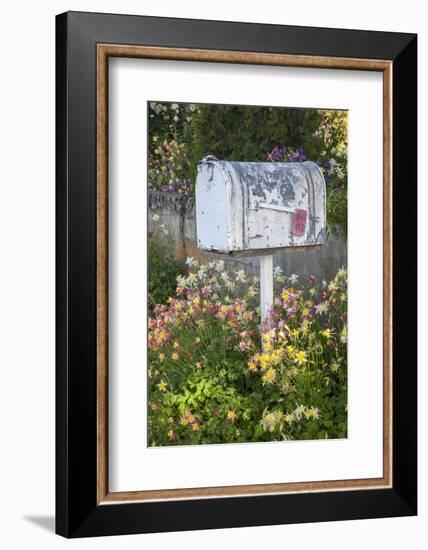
(259,205)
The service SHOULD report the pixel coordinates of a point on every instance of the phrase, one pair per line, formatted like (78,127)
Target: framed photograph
(236,274)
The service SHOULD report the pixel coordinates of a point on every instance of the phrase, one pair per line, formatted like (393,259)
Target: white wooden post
(266,285)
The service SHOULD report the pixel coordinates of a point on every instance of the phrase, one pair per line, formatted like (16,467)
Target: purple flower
(276,154)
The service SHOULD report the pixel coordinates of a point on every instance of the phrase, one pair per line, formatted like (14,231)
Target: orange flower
(231,415)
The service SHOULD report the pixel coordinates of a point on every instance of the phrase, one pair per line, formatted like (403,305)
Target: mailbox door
(285,204)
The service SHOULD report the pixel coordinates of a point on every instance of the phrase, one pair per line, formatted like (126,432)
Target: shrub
(233,132)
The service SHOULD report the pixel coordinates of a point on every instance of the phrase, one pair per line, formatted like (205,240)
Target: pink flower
(244,345)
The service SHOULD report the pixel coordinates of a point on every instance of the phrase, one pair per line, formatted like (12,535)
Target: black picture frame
(77,512)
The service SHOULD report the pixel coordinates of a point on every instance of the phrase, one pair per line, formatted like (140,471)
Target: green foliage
(337,208)
(182,134)
(211,380)
(248,133)
(163,268)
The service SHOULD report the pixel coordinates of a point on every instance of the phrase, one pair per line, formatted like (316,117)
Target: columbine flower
(189,261)
(341,272)
(191,279)
(289,418)
(155,217)
(300,357)
(327,333)
(269,376)
(175,356)
(202,270)
(224,276)
(230,285)
(162,385)
(298,411)
(231,415)
(270,420)
(181,280)
(219,266)
(244,345)
(277,271)
(240,276)
(161,356)
(293,278)
(312,412)
(322,308)
(252,365)
(206,290)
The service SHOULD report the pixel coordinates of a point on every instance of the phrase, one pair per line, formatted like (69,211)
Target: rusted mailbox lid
(259,206)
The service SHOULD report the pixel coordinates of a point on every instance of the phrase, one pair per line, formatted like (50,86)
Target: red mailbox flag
(298,223)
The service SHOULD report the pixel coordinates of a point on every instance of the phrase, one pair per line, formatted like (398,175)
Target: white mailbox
(259,206)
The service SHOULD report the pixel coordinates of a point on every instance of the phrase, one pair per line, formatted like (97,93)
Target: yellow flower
(305,312)
(161,356)
(198,365)
(267,346)
(174,356)
(269,376)
(312,412)
(170,420)
(231,415)
(327,333)
(195,426)
(176,345)
(252,365)
(264,360)
(270,420)
(300,357)
(162,385)
(305,327)
(170,434)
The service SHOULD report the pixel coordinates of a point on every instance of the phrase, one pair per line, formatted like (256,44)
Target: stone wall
(178,215)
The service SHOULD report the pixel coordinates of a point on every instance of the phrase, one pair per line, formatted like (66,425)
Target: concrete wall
(179,217)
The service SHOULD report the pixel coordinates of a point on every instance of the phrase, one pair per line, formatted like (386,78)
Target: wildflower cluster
(169,161)
(216,376)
